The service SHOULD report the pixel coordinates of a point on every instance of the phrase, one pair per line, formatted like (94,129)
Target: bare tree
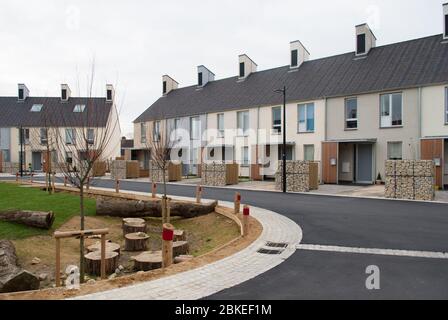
(84,136)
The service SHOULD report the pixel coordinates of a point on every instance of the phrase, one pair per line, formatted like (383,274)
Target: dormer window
(36,107)
(64,94)
(200,79)
(21,94)
(241,69)
(164,87)
(109,95)
(446,26)
(361,44)
(294,58)
(79,108)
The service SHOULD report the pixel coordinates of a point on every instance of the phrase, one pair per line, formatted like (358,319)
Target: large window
(90,136)
(391,110)
(308,152)
(70,136)
(24,136)
(195,128)
(243,123)
(395,150)
(277,119)
(446,105)
(156,131)
(361,43)
(351,113)
(6,155)
(43,136)
(221,124)
(306,117)
(176,128)
(245,156)
(143,132)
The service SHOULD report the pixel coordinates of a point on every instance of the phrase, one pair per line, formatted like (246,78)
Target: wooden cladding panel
(329,172)
(430,150)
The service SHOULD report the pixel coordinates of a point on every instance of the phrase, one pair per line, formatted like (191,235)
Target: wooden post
(246,214)
(65,181)
(117,186)
(154,190)
(237,202)
(198,194)
(167,245)
(53,186)
(168,210)
(103,256)
(58,262)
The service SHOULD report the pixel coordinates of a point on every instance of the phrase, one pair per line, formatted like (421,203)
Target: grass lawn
(14,197)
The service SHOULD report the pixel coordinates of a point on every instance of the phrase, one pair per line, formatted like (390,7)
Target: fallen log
(124,208)
(12,277)
(37,219)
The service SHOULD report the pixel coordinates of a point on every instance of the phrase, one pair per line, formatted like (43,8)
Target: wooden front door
(434,149)
(330,162)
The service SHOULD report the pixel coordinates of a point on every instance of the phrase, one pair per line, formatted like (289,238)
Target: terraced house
(43,130)
(349,112)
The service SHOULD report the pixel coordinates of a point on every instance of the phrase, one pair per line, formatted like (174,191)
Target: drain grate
(276,245)
(269,251)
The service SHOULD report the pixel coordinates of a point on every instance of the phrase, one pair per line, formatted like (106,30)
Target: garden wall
(219,174)
(122,169)
(301,176)
(410,179)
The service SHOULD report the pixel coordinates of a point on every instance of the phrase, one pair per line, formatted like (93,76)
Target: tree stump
(148,260)
(110,246)
(180,248)
(93,262)
(133,227)
(136,241)
(179,235)
(133,220)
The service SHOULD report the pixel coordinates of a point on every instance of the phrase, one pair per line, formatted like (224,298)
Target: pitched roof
(54,112)
(401,65)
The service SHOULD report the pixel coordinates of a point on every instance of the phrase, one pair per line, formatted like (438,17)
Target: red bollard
(17,177)
(246,214)
(154,189)
(198,194)
(237,202)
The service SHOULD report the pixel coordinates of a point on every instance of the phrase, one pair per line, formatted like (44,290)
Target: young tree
(84,136)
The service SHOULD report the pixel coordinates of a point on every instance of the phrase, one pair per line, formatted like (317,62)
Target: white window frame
(245,161)
(90,137)
(143,132)
(26,136)
(36,108)
(347,120)
(386,121)
(304,151)
(67,153)
(156,131)
(79,108)
(70,133)
(195,132)
(300,128)
(220,121)
(388,149)
(276,128)
(43,133)
(243,125)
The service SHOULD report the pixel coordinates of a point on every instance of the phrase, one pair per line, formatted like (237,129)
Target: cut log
(110,246)
(180,248)
(134,228)
(42,220)
(148,260)
(179,235)
(109,206)
(12,277)
(93,262)
(133,221)
(136,241)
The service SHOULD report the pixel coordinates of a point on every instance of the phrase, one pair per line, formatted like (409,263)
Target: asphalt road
(347,222)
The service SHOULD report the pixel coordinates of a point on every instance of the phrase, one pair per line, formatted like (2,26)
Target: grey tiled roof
(54,112)
(397,66)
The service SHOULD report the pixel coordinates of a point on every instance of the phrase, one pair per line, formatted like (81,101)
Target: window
(243,123)
(79,108)
(70,136)
(36,107)
(21,94)
(200,78)
(446,105)
(395,150)
(241,69)
(195,128)
(156,131)
(221,125)
(43,136)
(446,26)
(361,43)
(277,119)
(143,132)
(64,94)
(306,117)
(54,156)
(294,58)
(6,155)
(176,128)
(351,113)
(109,95)
(308,151)
(391,110)
(90,136)
(24,136)
(245,156)
(69,157)
(164,87)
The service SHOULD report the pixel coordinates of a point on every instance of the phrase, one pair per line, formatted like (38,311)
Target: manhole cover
(268,251)
(276,245)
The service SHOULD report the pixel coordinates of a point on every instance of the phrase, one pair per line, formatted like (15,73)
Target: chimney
(110,93)
(204,76)
(246,66)
(299,54)
(445,21)
(23,92)
(365,39)
(65,92)
(169,84)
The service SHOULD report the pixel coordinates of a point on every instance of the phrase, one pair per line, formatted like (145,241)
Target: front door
(37,161)
(364,163)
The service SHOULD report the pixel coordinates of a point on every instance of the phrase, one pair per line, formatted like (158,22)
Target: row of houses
(349,112)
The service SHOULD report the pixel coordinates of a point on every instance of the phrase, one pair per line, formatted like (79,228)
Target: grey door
(365,163)
(37,161)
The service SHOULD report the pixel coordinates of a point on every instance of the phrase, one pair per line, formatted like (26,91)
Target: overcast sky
(45,43)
